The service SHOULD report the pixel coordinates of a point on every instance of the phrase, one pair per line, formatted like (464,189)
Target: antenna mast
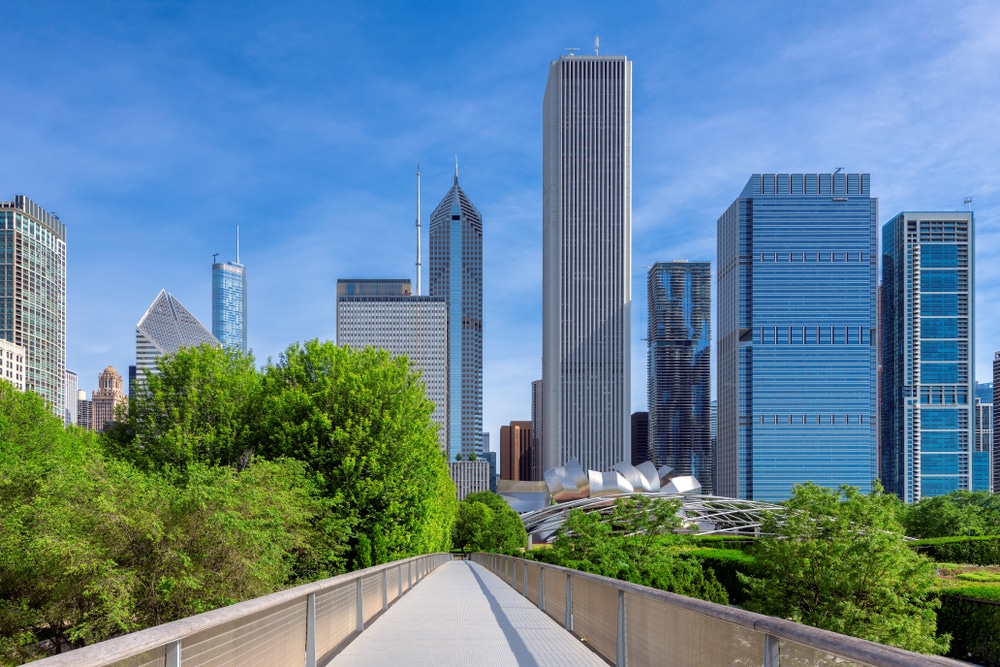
(418,229)
(237,244)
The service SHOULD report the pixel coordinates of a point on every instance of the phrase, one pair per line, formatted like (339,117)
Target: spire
(237,244)
(456,169)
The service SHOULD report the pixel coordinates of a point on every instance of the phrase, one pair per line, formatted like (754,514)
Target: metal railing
(634,625)
(302,626)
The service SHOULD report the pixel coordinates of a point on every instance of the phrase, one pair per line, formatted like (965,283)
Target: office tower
(33,295)
(470,476)
(84,411)
(713,417)
(69,391)
(166,327)
(106,398)
(640,438)
(536,430)
(982,450)
(456,274)
(587,260)
(229,301)
(679,368)
(515,451)
(996,419)
(383,313)
(796,360)
(12,363)
(928,387)
(132,373)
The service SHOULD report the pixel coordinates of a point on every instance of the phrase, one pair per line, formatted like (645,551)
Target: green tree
(485,522)
(958,513)
(838,561)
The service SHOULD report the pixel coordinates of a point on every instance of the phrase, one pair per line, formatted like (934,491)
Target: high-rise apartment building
(84,411)
(928,386)
(587,260)
(12,363)
(796,316)
(33,295)
(679,368)
(982,450)
(106,398)
(166,327)
(229,302)
(69,392)
(515,451)
(383,313)
(456,274)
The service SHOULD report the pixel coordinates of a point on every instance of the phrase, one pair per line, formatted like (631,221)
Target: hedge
(976,550)
(726,563)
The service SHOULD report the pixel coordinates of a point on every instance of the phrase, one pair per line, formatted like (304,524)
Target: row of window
(824,335)
(825,257)
(814,419)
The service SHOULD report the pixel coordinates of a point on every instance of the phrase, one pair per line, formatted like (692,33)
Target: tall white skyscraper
(165,328)
(587,261)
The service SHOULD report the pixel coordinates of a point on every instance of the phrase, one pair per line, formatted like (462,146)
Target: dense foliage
(839,561)
(983,550)
(635,542)
(974,626)
(486,522)
(961,513)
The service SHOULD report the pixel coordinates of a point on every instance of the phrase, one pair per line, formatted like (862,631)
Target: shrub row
(976,550)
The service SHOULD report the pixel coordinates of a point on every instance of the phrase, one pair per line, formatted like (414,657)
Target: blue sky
(154,128)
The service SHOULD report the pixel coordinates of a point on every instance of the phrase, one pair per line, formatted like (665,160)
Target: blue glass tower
(456,273)
(797,315)
(928,420)
(229,302)
(679,368)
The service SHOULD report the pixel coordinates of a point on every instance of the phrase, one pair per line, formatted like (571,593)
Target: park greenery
(485,522)
(221,483)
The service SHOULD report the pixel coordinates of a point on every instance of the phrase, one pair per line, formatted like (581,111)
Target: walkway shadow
(514,640)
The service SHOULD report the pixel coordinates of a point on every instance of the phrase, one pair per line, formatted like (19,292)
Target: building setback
(229,302)
(928,386)
(587,261)
(796,363)
(679,368)
(33,295)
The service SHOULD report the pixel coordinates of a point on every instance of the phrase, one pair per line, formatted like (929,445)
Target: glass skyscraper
(797,316)
(928,420)
(587,261)
(33,295)
(679,368)
(229,302)
(165,328)
(982,450)
(456,274)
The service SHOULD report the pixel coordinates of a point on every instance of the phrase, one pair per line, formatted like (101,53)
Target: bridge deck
(462,614)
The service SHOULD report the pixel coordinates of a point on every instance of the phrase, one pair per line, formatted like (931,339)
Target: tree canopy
(960,513)
(485,522)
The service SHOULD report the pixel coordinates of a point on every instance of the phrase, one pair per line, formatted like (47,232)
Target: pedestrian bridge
(490,610)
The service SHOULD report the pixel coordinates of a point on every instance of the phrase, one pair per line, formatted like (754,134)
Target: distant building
(12,363)
(536,429)
(229,301)
(33,296)
(383,313)
(84,411)
(470,476)
(982,450)
(996,420)
(640,438)
(132,373)
(106,398)
(165,328)
(679,350)
(516,451)
(928,388)
(72,386)
(494,467)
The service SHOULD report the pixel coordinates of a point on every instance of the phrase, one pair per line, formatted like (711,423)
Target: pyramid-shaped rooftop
(169,326)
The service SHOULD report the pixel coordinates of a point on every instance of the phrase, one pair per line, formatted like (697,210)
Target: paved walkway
(462,614)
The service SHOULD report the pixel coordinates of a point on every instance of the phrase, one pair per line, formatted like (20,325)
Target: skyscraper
(456,274)
(587,260)
(679,367)
(928,387)
(229,301)
(33,295)
(982,450)
(515,451)
(383,313)
(796,362)
(69,393)
(166,327)
(106,398)
(12,360)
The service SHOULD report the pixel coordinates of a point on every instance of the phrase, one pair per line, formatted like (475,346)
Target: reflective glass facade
(164,328)
(229,304)
(797,316)
(927,416)
(679,368)
(982,450)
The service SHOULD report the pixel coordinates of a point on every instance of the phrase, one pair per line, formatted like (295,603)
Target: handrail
(617,638)
(295,609)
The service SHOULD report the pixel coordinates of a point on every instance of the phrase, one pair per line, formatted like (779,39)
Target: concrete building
(470,476)
(928,388)
(12,363)
(796,315)
(33,295)
(587,260)
(166,327)
(84,411)
(516,453)
(383,313)
(106,398)
(229,301)
(72,386)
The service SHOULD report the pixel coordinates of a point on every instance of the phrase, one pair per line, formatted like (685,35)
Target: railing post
(361,605)
(541,588)
(409,575)
(399,580)
(174,654)
(525,570)
(385,590)
(772,651)
(311,630)
(621,644)
(569,602)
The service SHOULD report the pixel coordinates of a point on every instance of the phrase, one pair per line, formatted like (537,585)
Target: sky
(154,128)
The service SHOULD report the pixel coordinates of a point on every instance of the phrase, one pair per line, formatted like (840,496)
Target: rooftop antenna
(597,45)
(456,168)
(237,244)
(968,202)
(571,49)
(214,258)
(418,230)
(838,170)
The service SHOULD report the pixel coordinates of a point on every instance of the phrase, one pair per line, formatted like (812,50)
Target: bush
(972,550)
(974,626)
(726,565)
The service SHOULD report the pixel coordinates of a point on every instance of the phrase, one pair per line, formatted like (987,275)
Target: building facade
(470,476)
(383,313)
(33,295)
(229,303)
(72,386)
(456,274)
(12,363)
(587,261)
(797,257)
(516,453)
(928,384)
(84,411)
(164,328)
(996,420)
(679,368)
(640,438)
(106,398)
(537,396)
(983,448)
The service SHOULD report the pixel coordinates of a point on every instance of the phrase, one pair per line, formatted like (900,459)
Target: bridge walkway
(462,614)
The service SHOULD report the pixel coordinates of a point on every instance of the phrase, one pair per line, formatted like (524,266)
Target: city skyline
(321,133)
